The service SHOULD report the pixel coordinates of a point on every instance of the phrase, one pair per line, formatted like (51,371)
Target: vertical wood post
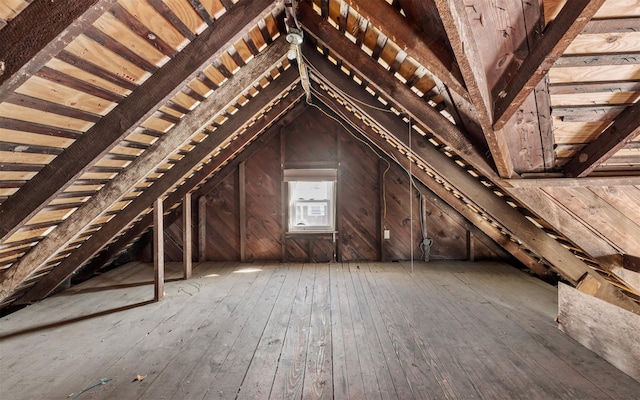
(284,200)
(186,235)
(243,211)
(382,166)
(158,250)
(470,246)
(202,229)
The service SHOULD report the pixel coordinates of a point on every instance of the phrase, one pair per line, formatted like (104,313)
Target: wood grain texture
(597,325)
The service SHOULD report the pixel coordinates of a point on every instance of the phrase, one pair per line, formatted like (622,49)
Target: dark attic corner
(302,199)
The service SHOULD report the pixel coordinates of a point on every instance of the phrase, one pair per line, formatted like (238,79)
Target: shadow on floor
(74,320)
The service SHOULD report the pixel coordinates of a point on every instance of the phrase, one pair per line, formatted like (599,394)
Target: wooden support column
(158,250)
(202,229)
(242,200)
(186,235)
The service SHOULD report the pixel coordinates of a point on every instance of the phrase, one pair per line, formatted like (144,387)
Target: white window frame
(291,176)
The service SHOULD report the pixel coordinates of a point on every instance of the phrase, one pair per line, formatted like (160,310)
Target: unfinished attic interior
(320,199)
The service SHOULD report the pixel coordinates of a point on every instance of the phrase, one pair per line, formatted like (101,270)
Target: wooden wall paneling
(358,206)
(264,203)
(397,221)
(173,242)
(202,229)
(222,223)
(450,240)
(158,250)
(297,248)
(311,138)
(242,211)
(283,204)
(187,232)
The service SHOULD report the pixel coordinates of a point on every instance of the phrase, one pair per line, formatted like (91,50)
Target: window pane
(311,206)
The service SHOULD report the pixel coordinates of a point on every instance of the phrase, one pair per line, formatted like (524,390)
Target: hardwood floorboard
(258,380)
(289,379)
(353,377)
(357,330)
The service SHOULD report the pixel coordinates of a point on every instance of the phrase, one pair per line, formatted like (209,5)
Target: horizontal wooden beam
(573,182)
(39,33)
(142,166)
(622,130)
(612,25)
(557,36)
(589,60)
(131,112)
(102,237)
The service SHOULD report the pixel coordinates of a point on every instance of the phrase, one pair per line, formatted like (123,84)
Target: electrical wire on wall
(425,241)
(295,38)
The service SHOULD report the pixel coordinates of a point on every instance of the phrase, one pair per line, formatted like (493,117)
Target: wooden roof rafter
(396,27)
(624,129)
(132,111)
(280,88)
(557,36)
(144,164)
(458,29)
(40,32)
(403,98)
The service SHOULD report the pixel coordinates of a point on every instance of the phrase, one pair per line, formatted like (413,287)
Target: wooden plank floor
(447,330)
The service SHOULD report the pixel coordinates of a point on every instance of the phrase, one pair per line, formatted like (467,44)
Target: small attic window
(311,199)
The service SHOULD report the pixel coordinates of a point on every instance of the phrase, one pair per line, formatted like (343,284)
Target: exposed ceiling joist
(616,136)
(409,38)
(558,35)
(458,28)
(125,181)
(99,239)
(36,193)
(40,32)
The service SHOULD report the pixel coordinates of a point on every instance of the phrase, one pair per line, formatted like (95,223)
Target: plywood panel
(594,98)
